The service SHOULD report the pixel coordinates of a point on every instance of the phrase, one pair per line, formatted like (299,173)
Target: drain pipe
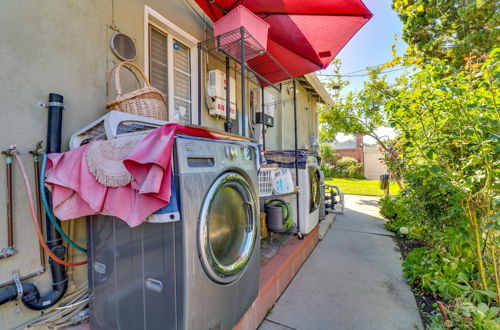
(31,297)
(54,240)
(10,249)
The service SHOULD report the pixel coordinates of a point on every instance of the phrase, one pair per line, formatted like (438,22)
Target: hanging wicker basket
(146,101)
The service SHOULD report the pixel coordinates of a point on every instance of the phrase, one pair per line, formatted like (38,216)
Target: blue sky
(371,46)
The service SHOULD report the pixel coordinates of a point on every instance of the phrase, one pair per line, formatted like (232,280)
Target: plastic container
(278,215)
(254,25)
(266,178)
(283,181)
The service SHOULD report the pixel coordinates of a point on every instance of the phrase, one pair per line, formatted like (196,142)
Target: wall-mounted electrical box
(216,92)
(266,118)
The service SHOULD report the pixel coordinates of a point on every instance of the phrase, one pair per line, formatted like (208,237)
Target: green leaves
(447,117)
(449,277)
(361,112)
(449,29)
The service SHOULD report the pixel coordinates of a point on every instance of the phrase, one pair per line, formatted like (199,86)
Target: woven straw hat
(105,160)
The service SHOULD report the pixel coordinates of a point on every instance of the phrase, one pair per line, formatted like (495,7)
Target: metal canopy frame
(234,48)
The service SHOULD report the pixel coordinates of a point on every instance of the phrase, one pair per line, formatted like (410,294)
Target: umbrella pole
(296,153)
(199,83)
(263,124)
(242,45)
(228,124)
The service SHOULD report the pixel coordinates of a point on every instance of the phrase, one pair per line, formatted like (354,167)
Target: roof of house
(348,144)
(315,87)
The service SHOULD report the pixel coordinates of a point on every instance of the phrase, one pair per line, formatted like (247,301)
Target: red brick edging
(275,277)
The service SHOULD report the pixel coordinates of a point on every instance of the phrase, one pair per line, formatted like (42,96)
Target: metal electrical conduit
(10,250)
(36,167)
(36,153)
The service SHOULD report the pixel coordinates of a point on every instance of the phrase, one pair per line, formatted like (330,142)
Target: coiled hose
(48,209)
(34,217)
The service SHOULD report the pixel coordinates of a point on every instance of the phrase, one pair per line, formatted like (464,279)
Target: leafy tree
(449,29)
(449,122)
(361,113)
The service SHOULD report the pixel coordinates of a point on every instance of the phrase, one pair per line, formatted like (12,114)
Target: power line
(365,69)
(356,75)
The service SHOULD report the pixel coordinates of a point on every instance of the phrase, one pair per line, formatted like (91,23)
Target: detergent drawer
(135,274)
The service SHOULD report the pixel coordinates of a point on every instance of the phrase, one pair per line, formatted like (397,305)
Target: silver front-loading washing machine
(197,273)
(219,207)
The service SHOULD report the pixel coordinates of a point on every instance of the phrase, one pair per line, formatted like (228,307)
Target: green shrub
(345,162)
(466,315)
(328,170)
(355,169)
(346,167)
(387,206)
(327,153)
(450,277)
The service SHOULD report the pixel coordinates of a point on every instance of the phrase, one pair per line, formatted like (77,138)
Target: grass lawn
(361,187)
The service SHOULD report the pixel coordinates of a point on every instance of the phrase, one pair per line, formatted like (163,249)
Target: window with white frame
(170,72)
(170,63)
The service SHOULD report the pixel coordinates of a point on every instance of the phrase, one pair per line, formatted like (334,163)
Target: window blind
(158,60)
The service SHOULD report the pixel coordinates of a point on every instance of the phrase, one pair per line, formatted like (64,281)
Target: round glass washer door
(228,228)
(314,188)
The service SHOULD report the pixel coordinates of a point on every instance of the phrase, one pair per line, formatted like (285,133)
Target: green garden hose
(48,209)
(287,209)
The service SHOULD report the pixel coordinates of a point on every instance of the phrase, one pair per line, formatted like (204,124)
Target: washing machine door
(314,188)
(227,230)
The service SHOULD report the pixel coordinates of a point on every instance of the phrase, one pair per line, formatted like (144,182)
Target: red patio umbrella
(304,35)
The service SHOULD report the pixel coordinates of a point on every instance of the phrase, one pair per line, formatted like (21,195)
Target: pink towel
(76,192)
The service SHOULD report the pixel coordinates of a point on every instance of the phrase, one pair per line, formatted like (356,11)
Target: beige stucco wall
(49,46)
(281,136)
(373,167)
(63,47)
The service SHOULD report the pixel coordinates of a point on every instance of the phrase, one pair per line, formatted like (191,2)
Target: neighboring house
(65,49)
(367,154)
(351,148)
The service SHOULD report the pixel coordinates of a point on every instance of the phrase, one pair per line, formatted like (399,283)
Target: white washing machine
(199,272)
(309,195)
(309,184)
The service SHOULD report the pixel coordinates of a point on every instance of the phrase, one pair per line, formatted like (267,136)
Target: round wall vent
(123,47)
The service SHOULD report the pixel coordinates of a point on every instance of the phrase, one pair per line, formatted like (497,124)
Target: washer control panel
(198,155)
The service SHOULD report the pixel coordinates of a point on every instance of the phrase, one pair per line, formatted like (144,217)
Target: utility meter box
(216,91)
(267,117)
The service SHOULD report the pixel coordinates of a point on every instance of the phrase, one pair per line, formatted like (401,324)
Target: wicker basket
(147,101)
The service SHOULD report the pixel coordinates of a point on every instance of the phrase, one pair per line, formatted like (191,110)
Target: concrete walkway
(352,280)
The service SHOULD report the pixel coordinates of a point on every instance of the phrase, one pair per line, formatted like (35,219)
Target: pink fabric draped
(76,192)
